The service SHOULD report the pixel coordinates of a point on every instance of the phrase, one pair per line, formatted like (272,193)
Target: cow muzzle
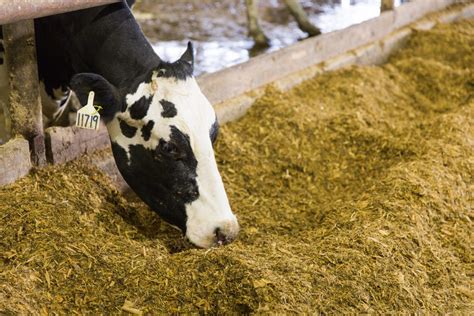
(208,235)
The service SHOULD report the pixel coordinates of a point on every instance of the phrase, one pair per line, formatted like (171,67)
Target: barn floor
(353,190)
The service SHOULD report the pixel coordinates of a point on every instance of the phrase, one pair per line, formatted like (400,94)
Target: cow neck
(110,43)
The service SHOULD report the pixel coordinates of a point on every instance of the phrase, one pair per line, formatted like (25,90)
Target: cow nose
(221,238)
(213,233)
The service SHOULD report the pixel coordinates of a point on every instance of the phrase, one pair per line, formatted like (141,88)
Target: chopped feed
(354,191)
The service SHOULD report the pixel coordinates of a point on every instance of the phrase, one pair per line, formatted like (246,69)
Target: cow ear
(188,55)
(106,95)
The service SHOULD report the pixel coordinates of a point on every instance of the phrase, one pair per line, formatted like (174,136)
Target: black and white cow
(161,126)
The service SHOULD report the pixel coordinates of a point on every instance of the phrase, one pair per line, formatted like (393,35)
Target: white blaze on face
(195,117)
(211,210)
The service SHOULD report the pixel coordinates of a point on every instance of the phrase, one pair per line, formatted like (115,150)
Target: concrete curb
(64,144)
(14,160)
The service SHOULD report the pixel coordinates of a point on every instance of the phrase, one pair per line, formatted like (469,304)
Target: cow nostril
(221,238)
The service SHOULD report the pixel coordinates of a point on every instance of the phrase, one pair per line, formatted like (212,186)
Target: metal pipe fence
(18,10)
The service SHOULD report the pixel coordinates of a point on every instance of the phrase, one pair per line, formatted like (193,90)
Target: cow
(161,126)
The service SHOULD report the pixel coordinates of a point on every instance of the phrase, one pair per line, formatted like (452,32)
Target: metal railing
(17,10)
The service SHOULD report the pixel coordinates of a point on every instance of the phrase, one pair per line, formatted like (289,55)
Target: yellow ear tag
(88,116)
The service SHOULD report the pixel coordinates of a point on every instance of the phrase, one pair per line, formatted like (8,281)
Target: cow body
(105,40)
(160,124)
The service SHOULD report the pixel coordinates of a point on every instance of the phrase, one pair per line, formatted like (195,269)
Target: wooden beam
(24,106)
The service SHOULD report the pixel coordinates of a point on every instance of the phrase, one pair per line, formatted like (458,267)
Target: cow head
(162,132)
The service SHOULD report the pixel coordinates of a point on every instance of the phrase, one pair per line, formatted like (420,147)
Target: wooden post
(24,108)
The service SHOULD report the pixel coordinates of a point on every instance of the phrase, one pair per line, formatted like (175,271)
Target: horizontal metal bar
(17,10)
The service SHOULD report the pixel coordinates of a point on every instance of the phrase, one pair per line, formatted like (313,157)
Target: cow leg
(255,31)
(301,18)
(386,5)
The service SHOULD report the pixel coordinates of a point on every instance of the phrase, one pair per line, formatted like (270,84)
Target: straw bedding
(354,191)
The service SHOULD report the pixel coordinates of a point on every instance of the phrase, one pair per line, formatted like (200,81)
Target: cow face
(162,140)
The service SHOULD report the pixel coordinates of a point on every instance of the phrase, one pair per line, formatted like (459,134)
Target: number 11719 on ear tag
(87,116)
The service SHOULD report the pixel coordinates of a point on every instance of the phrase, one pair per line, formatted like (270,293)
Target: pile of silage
(353,190)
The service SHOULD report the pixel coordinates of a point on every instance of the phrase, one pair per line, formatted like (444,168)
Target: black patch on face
(164,179)
(146,130)
(214,131)
(127,130)
(140,108)
(169,110)
(180,70)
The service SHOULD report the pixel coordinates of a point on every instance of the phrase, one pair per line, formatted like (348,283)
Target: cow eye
(169,149)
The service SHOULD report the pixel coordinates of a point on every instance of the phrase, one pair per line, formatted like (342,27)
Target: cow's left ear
(106,95)
(188,55)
